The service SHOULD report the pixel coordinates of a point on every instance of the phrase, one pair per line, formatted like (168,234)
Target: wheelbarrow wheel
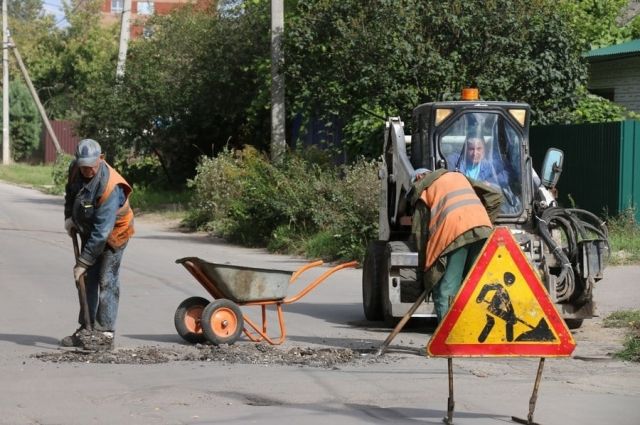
(222,322)
(188,319)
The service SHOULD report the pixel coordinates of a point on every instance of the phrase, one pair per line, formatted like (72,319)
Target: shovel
(82,291)
(401,324)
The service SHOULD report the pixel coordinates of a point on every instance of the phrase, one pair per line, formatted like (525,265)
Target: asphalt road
(39,306)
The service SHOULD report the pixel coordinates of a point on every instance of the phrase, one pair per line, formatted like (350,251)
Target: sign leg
(533,399)
(450,403)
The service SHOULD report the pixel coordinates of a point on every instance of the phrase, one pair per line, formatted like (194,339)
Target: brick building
(142,9)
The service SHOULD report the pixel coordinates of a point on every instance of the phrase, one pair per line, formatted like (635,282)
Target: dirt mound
(239,353)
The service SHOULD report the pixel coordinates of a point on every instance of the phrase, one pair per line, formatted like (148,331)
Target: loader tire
(187,319)
(222,322)
(371,282)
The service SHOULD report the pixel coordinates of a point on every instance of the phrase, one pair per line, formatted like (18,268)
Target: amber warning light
(470,94)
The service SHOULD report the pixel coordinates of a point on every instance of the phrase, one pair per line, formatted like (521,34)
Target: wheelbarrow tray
(243,284)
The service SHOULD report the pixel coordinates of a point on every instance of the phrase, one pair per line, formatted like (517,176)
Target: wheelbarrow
(221,321)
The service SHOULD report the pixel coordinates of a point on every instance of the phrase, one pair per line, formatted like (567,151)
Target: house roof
(630,48)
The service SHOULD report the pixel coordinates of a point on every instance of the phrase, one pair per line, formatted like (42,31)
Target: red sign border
(437,346)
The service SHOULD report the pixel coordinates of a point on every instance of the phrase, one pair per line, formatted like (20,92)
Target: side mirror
(552,167)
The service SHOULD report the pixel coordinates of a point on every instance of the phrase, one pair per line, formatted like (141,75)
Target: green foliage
(32,175)
(25,123)
(624,237)
(595,109)
(60,172)
(622,319)
(198,84)
(151,199)
(143,170)
(596,22)
(243,197)
(629,319)
(342,55)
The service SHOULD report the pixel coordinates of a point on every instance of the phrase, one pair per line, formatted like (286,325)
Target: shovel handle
(82,289)
(401,323)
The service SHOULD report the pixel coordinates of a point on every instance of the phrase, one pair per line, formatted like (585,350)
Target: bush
(297,208)
(60,172)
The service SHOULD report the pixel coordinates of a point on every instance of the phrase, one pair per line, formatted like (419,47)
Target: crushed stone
(249,353)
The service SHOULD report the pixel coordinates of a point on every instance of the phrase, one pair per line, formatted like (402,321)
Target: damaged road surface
(247,353)
(319,375)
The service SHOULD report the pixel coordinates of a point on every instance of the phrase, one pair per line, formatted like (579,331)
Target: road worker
(97,207)
(452,218)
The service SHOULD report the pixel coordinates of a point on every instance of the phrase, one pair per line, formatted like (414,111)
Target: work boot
(71,340)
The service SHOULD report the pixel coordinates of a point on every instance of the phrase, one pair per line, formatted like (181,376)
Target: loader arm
(396,175)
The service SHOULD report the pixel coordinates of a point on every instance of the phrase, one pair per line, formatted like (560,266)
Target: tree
(597,22)
(350,56)
(198,84)
(25,122)
(40,45)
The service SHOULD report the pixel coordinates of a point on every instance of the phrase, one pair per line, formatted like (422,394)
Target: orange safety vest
(123,229)
(455,209)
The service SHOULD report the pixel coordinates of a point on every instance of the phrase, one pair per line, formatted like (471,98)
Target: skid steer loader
(567,247)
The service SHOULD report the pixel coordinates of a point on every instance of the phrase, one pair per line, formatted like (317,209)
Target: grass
(624,237)
(38,176)
(627,319)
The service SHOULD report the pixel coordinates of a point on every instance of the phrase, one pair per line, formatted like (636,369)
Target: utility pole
(36,98)
(278,141)
(125,31)
(6,153)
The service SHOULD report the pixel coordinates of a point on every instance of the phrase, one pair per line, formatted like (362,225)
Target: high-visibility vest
(123,229)
(455,208)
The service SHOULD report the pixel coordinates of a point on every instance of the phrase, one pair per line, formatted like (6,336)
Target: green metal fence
(601,171)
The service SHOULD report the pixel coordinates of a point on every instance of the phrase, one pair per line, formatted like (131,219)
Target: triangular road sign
(502,309)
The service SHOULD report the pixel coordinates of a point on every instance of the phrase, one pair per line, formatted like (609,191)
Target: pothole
(249,353)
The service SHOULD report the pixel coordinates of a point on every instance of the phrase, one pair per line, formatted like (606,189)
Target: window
(145,7)
(486,147)
(117,6)
(147,32)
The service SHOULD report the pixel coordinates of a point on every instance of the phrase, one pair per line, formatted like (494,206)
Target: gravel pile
(248,353)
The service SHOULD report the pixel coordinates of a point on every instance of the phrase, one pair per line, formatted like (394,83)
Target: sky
(54,7)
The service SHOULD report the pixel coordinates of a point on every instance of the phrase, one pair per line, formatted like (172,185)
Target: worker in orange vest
(453,216)
(97,208)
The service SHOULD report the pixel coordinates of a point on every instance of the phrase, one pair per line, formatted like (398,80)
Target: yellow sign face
(502,309)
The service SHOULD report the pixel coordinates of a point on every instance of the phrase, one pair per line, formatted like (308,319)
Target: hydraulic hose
(577,225)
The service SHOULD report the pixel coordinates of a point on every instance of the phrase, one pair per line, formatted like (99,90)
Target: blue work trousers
(103,289)
(459,262)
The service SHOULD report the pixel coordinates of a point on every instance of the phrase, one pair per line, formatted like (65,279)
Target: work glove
(78,271)
(69,225)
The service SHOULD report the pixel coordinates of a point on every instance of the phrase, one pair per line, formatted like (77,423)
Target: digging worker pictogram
(499,306)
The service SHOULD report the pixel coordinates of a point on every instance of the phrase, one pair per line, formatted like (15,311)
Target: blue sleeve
(104,220)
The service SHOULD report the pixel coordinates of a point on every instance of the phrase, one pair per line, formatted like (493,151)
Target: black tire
(188,317)
(371,295)
(574,323)
(222,322)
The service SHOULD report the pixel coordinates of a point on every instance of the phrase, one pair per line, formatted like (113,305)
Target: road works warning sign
(502,309)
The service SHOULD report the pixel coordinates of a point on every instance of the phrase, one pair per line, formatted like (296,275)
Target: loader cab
(486,141)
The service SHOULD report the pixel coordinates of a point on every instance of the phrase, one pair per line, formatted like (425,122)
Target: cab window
(486,147)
